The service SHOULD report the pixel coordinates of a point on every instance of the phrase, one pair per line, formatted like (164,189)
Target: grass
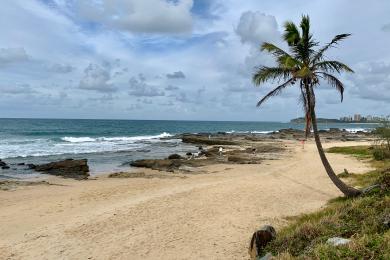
(361,151)
(360,219)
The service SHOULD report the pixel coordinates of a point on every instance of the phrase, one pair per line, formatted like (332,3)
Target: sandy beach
(211,215)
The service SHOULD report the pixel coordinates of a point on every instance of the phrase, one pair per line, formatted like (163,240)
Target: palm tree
(307,66)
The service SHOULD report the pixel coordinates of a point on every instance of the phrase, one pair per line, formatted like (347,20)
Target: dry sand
(203,216)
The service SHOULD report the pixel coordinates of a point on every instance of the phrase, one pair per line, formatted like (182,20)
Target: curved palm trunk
(344,188)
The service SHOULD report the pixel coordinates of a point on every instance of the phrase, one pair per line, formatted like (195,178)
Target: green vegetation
(364,220)
(382,150)
(362,151)
(301,120)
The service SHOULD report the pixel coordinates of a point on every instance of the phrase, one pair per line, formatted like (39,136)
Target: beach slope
(172,216)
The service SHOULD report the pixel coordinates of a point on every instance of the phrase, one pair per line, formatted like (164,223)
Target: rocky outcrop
(76,169)
(260,239)
(3,165)
(158,164)
(202,139)
(243,159)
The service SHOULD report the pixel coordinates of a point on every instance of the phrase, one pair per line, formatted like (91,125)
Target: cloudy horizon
(180,59)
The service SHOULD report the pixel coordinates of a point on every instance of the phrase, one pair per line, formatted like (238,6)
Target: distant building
(346,119)
(357,117)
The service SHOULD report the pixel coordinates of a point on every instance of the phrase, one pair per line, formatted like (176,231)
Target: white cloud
(152,16)
(386,27)
(96,78)
(12,55)
(21,89)
(256,27)
(372,81)
(176,75)
(61,68)
(171,88)
(139,88)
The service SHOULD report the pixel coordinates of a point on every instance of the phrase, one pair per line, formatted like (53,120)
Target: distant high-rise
(357,117)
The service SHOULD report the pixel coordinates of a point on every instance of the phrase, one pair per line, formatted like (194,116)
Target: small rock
(174,156)
(5,167)
(2,164)
(31,166)
(267,256)
(20,164)
(386,221)
(338,241)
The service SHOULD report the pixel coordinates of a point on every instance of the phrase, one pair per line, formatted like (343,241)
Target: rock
(5,167)
(76,169)
(215,140)
(174,156)
(127,175)
(21,164)
(31,166)
(158,164)
(7,185)
(338,241)
(242,159)
(267,256)
(386,221)
(185,168)
(214,151)
(260,239)
(2,164)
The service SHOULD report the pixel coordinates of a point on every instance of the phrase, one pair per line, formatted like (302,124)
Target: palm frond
(305,26)
(265,73)
(291,33)
(332,66)
(273,49)
(333,82)
(275,92)
(332,43)
(289,62)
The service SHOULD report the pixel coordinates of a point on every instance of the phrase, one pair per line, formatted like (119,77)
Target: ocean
(109,145)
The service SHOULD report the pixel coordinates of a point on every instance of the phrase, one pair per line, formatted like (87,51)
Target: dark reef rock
(243,159)
(175,156)
(2,164)
(31,166)
(69,168)
(158,164)
(214,140)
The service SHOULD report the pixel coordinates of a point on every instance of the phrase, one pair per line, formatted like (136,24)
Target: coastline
(207,214)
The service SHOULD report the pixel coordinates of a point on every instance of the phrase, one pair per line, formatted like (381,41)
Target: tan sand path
(205,216)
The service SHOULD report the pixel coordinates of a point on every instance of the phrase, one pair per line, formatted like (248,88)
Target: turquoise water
(110,144)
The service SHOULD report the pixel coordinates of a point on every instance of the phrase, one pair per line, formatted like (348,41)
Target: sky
(180,59)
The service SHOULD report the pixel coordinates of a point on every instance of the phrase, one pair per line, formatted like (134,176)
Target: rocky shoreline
(237,148)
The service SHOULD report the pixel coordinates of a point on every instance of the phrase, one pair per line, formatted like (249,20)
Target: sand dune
(196,216)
